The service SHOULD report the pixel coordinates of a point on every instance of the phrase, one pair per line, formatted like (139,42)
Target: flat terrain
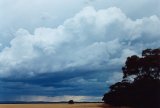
(78,105)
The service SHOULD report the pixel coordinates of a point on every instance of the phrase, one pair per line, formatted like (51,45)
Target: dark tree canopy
(144,91)
(70,102)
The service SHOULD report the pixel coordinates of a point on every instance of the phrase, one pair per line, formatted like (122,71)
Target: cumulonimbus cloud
(92,39)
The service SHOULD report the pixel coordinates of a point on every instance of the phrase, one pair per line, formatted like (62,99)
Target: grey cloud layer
(92,39)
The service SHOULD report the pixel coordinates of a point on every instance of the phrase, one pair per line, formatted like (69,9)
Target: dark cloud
(57,85)
(78,58)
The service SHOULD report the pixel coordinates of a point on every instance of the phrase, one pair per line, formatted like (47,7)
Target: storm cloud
(90,40)
(79,57)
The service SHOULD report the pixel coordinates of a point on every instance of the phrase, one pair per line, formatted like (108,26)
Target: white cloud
(92,39)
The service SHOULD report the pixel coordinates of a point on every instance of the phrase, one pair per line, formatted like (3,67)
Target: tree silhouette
(70,102)
(144,91)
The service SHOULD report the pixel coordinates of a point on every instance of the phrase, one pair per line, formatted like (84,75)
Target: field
(81,105)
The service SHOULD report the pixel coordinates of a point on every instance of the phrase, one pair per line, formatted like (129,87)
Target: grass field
(81,105)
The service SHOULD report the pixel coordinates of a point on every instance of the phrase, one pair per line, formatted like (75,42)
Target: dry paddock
(78,105)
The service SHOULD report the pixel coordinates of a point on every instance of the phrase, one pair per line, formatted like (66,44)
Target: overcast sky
(56,50)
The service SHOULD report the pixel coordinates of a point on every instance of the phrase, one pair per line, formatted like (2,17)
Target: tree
(70,102)
(145,89)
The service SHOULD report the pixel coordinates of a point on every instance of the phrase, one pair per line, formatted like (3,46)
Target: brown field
(81,105)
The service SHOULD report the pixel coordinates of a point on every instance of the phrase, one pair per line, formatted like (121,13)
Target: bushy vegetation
(144,90)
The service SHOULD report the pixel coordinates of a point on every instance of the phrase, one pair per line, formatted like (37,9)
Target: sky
(57,50)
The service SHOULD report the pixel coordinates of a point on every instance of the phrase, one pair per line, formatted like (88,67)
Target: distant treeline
(39,102)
